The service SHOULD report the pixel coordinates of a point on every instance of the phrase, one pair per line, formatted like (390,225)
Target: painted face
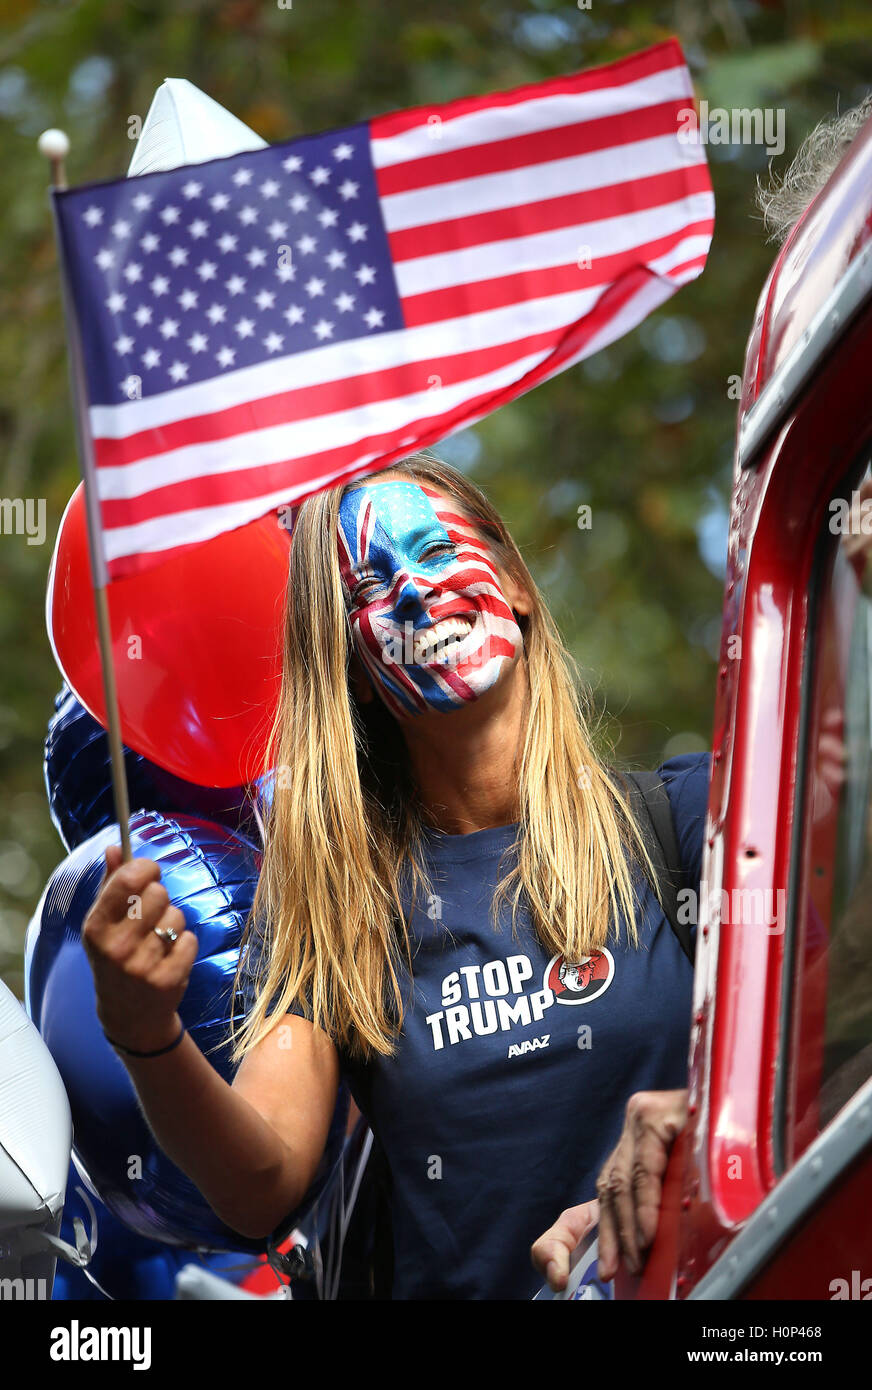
(429,618)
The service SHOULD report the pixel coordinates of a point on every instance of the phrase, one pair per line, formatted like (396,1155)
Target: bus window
(831,1048)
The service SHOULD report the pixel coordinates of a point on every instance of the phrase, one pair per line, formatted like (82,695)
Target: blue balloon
(210,873)
(78,780)
(126,1265)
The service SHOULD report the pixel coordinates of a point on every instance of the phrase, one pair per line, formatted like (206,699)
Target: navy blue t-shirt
(512,1072)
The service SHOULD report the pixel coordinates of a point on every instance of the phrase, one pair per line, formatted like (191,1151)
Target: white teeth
(442,633)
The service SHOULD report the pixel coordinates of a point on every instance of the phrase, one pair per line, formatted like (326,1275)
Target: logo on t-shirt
(578,982)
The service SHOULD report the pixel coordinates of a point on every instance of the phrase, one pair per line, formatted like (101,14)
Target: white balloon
(35,1125)
(184,126)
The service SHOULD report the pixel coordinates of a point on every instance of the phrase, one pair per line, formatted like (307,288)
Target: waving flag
(254,328)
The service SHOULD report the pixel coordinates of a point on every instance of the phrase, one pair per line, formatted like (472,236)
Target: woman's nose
(412,592)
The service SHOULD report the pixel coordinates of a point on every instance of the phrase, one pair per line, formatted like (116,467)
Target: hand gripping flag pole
(54,144)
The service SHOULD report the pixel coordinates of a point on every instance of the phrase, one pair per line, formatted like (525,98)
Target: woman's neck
(466,763)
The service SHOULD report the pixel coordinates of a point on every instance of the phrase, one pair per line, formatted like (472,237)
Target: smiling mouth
(442,639)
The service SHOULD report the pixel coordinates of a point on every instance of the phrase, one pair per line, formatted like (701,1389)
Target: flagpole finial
(55,146)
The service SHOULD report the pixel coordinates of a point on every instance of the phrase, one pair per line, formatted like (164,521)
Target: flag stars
(129,387)
(237,281)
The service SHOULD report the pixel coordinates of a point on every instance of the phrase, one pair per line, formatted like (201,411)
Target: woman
(451,913)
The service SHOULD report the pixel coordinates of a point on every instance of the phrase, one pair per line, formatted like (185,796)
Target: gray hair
(786,198)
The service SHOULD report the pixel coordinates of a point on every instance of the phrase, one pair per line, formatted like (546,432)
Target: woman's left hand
(550,1253)
(630,1188)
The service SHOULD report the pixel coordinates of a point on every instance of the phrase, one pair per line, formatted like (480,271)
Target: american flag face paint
(428,616)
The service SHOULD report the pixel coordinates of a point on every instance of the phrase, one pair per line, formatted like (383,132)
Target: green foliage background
(643,432)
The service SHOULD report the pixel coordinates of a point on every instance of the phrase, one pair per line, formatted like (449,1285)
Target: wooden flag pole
(54,144)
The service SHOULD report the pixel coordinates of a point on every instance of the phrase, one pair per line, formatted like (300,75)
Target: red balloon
(196,644)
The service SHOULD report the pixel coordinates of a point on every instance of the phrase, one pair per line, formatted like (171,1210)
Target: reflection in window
(833,1018)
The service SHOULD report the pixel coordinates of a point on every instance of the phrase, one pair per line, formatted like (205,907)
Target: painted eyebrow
(420,534)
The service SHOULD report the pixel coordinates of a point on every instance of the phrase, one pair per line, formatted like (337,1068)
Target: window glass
(832,1020)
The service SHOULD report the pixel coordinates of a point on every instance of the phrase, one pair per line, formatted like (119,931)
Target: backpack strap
(650,805)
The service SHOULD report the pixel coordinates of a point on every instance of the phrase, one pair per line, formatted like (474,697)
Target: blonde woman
(453,914)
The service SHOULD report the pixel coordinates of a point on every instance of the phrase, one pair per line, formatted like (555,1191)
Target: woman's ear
(360,684)
(517,597)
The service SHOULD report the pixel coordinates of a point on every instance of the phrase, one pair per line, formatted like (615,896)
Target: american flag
(255,328)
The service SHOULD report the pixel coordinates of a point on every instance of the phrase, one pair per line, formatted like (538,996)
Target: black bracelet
(130,1052)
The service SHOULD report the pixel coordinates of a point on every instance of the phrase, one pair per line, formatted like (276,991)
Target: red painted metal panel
(830,1254)
(728,1161)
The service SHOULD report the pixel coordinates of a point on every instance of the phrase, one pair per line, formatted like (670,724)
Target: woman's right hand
(140,980)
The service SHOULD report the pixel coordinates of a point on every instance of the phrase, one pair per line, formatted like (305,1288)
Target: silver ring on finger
(169,935)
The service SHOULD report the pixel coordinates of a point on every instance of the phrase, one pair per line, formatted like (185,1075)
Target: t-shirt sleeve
(687,786)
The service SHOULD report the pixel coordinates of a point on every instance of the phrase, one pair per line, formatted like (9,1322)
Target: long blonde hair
(343,827)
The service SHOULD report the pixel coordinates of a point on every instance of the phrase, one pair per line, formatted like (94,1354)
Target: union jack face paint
(428,616)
